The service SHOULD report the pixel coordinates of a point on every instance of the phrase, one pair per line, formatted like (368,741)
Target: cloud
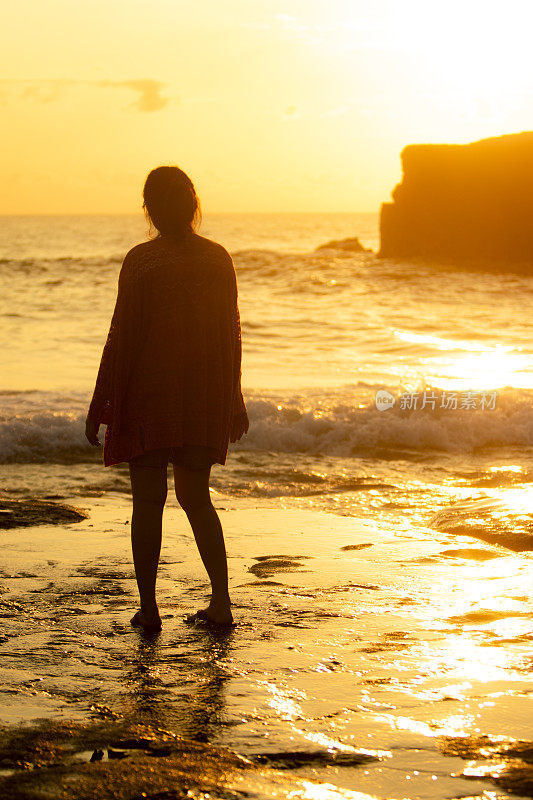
(338,111)
(149,97)
(41,90)
(296,29)
(42,93)
(291,112)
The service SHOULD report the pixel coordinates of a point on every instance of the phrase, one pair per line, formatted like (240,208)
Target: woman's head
(170,201)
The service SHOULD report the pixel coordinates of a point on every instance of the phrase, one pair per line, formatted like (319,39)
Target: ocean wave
(271,263)
(58,263)
(506,521)
(38,427)
(344,430)
(46,436)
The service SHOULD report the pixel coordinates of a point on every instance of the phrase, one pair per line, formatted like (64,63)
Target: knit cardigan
(170,372)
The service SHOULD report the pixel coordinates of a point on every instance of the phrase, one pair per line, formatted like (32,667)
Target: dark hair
(170,201)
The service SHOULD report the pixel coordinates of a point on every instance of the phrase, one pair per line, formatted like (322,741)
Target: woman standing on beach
(169,384)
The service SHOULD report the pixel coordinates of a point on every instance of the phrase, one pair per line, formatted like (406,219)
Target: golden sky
(268,105)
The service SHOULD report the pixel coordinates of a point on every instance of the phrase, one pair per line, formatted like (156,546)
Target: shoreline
(362,656)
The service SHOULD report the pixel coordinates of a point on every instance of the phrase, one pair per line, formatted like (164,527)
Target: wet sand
(365,662)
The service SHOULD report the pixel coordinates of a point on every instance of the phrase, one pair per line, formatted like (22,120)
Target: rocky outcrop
(352,245)
(463,201)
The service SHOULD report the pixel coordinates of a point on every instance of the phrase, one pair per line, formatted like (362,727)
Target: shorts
(189,456)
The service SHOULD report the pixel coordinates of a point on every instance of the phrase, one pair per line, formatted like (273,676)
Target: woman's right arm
(100,411)
(121,344)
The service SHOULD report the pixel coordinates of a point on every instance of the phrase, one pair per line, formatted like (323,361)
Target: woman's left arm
(239,423)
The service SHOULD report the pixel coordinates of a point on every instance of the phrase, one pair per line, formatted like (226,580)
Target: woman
(169,384)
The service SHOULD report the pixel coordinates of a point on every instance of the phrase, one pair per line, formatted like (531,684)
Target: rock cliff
(463,201)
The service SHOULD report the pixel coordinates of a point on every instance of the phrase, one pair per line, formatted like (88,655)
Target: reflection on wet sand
(355,673)
(196,678)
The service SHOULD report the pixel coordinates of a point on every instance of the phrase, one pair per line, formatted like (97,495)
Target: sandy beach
(366,662)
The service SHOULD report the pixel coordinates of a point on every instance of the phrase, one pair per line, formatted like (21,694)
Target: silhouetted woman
(169,384)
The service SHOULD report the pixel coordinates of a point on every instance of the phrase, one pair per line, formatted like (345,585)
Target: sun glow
(292,107)
(495,369)
(472,58)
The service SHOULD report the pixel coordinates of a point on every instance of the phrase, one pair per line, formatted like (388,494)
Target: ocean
(323,332)
(393,398)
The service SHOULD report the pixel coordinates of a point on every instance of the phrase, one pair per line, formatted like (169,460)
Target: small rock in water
(298,758)
(356,546)
(160,751)
(352,245)
(116,753)
(133,744)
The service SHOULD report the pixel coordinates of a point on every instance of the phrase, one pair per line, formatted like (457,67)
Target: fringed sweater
(170,372)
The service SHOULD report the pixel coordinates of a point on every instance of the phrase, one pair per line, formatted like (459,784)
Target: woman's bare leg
(192,492)
(149,492)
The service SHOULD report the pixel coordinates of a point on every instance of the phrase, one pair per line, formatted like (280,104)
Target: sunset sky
(269,106)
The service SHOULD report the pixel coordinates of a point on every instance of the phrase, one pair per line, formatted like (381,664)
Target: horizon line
(137,213)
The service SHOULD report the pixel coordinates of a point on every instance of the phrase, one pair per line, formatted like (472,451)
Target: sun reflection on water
(469,364)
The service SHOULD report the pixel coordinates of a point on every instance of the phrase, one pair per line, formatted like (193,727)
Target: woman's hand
(91,431)
(239,426)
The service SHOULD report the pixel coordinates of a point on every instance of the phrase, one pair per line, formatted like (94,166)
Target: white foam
(346,430)
(43,426)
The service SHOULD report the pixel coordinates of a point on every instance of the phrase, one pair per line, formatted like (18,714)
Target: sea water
(324,331)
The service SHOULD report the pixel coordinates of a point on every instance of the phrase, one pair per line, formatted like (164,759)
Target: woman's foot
(150,622)
(215,613)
